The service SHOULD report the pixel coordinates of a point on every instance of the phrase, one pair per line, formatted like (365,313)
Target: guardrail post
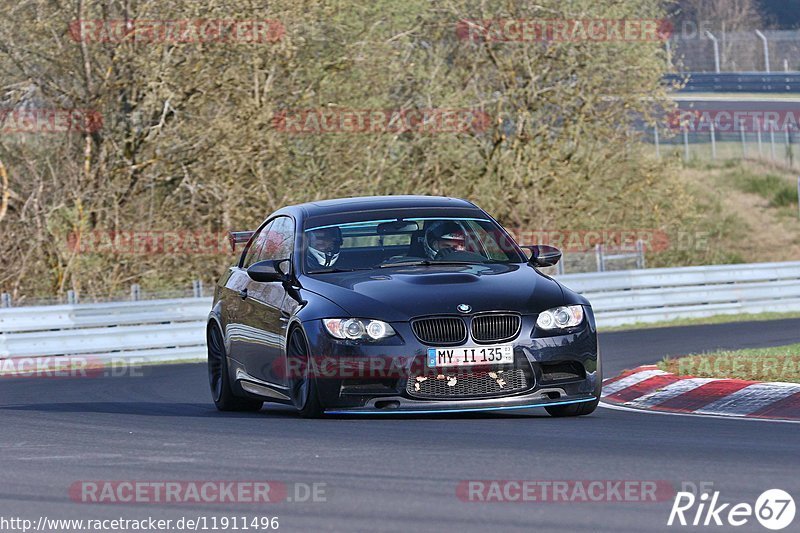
(136,292)
(713,142)
(72,298)
(598,253)
(758,136)
(560,266)
(772,141)
(640,254)
(785,65)
(655,137)
(744,140)
(789,153)
(5,300)
(197,288)
(669,54)
(686,144)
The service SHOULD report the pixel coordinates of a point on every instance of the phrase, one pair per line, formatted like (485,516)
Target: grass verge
(777,190)
(780,363)
(717,319)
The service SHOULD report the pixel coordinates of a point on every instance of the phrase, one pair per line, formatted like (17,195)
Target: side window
(258,244)
(279,241)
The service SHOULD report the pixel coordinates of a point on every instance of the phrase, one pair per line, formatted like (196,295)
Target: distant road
(628,349)
(744,99)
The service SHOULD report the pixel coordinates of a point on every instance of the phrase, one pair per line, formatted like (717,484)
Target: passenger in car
(450,243)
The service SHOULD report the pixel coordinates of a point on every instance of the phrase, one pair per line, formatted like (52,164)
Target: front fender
(318,307)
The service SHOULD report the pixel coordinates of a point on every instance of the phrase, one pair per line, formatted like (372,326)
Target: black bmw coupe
(397,305)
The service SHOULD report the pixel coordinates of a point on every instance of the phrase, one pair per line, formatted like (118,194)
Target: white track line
(669,391)
(630,381)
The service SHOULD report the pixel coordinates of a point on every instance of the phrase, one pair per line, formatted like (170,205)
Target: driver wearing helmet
(323,247)
(448,242)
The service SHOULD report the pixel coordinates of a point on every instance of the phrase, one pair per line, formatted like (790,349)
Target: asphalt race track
(629,349)
(393,474)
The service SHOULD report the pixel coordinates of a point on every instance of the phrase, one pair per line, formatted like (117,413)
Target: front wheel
(304,386)
(574,409)
(218,378)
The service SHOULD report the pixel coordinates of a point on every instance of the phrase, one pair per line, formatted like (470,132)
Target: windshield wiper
(335,270)
(428,263)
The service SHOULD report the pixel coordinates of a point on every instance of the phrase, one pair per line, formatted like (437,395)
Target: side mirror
(543,255)
(267,271)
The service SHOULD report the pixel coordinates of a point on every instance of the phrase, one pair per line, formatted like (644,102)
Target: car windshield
(395,243)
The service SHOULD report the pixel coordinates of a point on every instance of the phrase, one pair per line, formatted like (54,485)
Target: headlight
(358,328)
(560,317)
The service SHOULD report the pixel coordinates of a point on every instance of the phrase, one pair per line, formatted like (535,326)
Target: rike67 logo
(774,509)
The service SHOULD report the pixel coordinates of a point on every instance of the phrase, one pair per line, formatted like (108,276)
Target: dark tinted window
(279,240)
(256,247)
(384,242)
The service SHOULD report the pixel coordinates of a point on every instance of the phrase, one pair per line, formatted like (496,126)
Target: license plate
(470,355)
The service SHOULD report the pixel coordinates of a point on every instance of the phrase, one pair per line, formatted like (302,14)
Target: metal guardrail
(661,294)
(175,329)
(140,328)
(737,82)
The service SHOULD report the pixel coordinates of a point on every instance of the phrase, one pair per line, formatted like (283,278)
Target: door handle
(243,294)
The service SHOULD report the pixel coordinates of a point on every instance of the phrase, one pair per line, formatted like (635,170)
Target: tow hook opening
(387,404)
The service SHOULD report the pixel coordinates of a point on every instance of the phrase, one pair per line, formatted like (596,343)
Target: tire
(574,409)
(218,378)
(304,388)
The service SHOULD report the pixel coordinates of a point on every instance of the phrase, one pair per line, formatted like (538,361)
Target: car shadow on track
(198,410)
(201,410)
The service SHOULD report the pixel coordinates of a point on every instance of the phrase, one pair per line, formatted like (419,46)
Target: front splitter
(455,409)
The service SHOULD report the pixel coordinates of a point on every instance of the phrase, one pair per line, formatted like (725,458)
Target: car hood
(398,294)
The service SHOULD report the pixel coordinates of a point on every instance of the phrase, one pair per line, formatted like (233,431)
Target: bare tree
(726,15)
(189,138)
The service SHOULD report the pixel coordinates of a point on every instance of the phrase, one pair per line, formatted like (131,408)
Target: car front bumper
(565,368)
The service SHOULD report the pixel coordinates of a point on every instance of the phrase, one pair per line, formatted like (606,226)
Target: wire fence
(742,51)
(778,146)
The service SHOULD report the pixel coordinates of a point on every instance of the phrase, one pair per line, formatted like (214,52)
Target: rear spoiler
(239,237)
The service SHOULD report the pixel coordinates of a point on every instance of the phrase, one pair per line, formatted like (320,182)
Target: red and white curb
(649,388)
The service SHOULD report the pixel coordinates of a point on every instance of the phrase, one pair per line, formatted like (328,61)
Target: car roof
(377,203)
